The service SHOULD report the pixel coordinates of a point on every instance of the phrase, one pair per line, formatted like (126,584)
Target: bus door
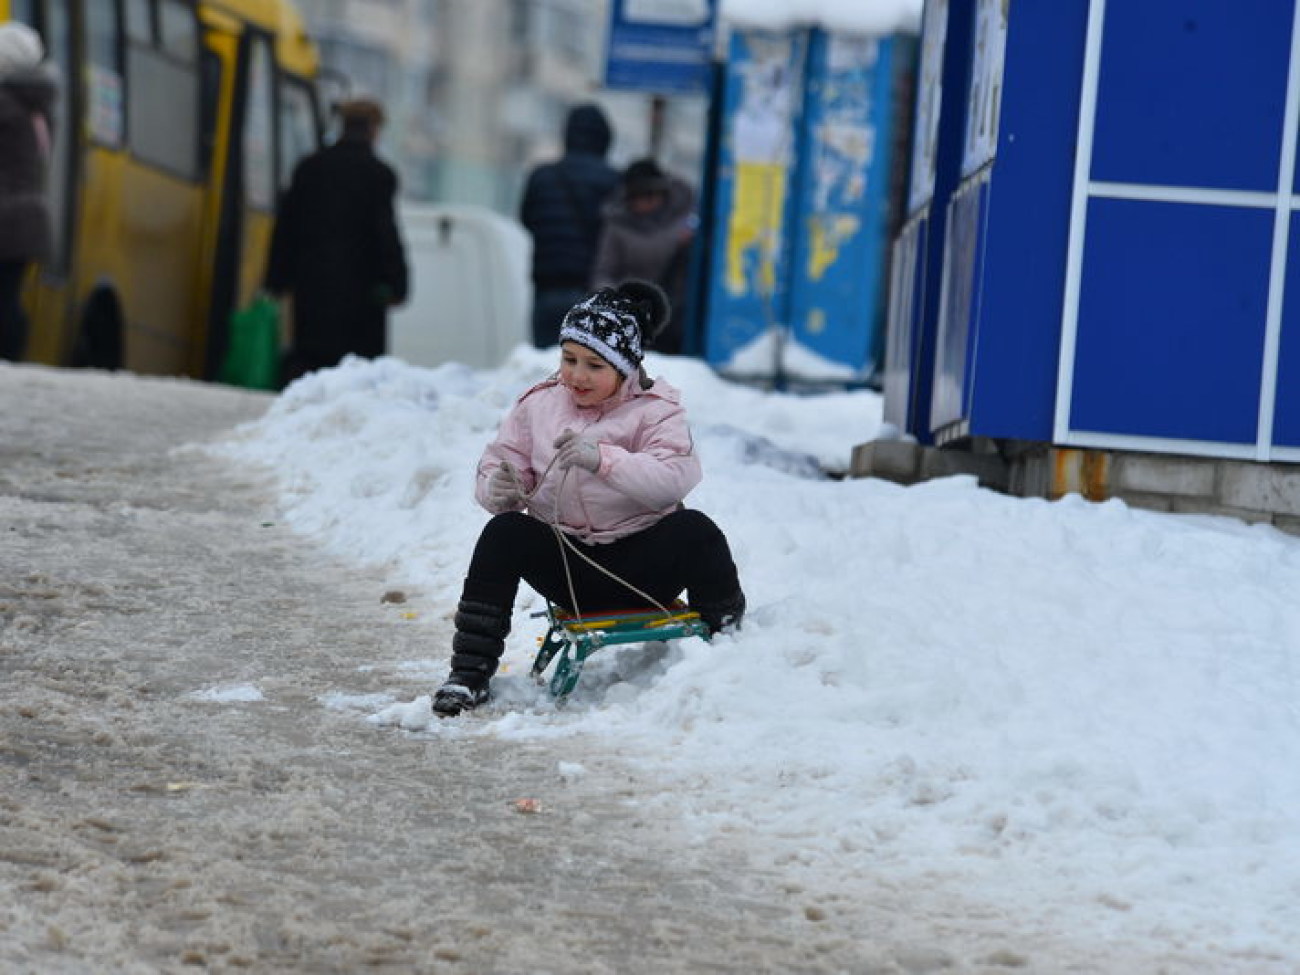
(224,81)
(163,186)
(271,123)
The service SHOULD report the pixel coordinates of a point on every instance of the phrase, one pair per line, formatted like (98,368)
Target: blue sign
(660,46)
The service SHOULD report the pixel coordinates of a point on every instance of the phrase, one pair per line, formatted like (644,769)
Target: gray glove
(505,489)
(576,451)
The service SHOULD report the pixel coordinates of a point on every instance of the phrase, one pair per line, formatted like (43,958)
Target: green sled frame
(573,638)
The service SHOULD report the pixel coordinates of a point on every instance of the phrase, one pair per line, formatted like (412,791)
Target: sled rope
(566,544)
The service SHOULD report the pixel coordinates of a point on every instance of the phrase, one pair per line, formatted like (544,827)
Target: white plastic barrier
(471,296)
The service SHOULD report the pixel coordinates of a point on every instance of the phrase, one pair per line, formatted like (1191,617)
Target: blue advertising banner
(804,190)
(842,196)
(748,279)
(660,46)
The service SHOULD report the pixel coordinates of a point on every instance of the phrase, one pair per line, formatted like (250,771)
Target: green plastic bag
(253,346)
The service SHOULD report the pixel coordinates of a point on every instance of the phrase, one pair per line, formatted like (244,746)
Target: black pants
(13,319)
(684,551)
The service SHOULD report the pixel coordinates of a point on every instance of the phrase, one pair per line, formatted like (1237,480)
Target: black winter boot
(476,648)
(723,616)
(459,692)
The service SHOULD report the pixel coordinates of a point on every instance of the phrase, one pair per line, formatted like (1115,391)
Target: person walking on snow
(561,210)
(27,93)
(336,248)
(603,454)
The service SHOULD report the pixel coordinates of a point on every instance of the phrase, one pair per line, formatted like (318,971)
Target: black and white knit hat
(617,323)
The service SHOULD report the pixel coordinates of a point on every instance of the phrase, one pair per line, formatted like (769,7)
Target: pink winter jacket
(647,459)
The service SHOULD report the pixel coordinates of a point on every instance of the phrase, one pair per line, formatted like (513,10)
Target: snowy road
(151,820)
(191,776)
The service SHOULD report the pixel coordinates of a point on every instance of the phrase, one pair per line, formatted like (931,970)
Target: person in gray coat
(647,232)
(27,92)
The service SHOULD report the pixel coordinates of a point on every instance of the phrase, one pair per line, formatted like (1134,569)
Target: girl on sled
(585,481)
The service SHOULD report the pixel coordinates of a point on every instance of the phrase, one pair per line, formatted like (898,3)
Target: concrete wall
(1255,493)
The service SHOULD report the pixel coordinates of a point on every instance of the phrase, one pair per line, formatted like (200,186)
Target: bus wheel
(99,338)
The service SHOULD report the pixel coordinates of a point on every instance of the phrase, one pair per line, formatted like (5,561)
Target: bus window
(104,72)
(259,123)
(102,41)
(24,10)
(179,30)
(139,21)
(163,100)
(298,132)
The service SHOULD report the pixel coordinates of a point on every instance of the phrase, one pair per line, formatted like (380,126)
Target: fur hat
(20,48)
(644,178)
(617,323)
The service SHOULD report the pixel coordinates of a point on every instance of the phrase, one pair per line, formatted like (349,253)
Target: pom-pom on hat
(20,47)
(617,323)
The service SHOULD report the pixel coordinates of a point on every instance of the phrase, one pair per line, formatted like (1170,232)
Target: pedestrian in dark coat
(27,93)
(561,209)
(337,250)
(647,232)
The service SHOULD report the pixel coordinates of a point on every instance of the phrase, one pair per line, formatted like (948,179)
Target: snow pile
(1079,714)
(876,17)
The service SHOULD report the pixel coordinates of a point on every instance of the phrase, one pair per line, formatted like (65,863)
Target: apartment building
(477,90)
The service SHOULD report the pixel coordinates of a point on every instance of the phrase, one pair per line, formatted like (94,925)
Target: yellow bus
(178,123)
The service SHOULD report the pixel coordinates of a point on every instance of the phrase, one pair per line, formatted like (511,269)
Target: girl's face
(590,378)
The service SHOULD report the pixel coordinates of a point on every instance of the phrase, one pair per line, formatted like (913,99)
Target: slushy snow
(1082,716)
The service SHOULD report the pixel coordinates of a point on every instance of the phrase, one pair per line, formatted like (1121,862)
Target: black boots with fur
(481,629)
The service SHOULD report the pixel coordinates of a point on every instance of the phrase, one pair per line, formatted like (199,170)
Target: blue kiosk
(917,259)
(1109,203)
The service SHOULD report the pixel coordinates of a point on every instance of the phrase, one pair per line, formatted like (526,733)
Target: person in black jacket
(336,248)
(561,208)
(27,94)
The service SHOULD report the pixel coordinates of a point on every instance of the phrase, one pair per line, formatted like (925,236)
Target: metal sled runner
(574,638)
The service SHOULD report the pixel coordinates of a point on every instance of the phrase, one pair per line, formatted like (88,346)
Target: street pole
(658,125)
